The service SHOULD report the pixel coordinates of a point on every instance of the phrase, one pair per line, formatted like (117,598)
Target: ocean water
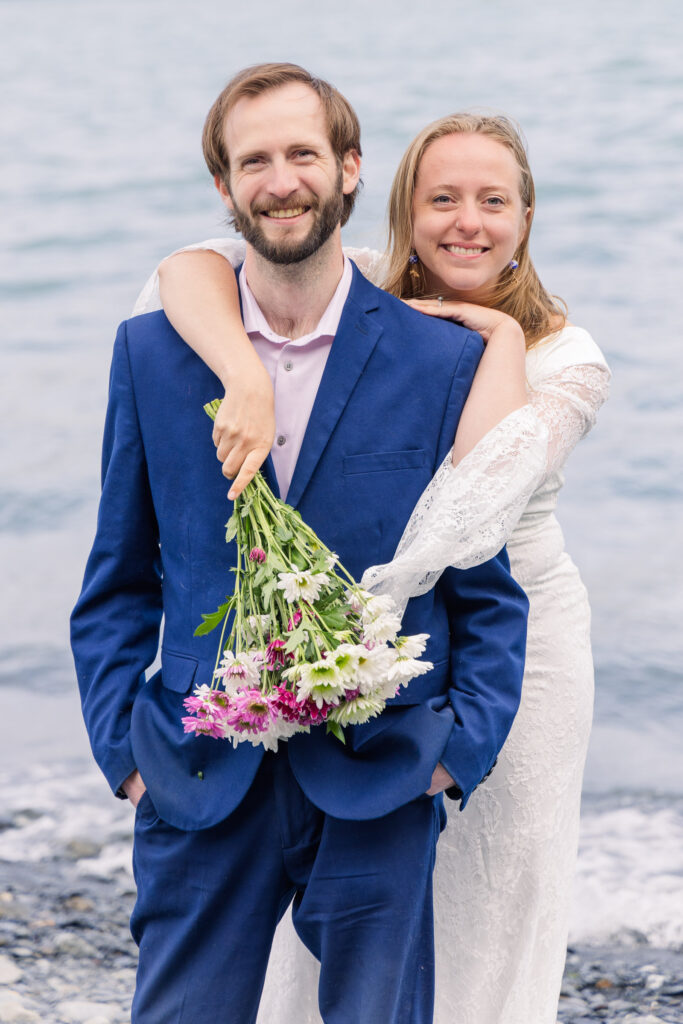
(102,175)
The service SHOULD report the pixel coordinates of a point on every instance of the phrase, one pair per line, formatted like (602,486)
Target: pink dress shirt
(295,368)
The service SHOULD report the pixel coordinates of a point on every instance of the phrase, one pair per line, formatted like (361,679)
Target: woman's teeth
(462,250)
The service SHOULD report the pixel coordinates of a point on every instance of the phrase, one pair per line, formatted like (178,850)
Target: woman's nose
(468,219)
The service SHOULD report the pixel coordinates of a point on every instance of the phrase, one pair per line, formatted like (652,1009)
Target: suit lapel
(351,349)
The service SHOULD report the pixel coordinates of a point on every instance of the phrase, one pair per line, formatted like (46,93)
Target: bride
(460,212)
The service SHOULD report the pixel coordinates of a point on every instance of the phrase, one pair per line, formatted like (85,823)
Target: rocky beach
(66,955)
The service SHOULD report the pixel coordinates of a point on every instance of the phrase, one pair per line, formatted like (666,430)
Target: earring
(413,262)
(513,264)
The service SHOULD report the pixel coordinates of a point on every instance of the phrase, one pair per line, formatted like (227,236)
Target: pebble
(9,972)
(83,1012)
(13,1010)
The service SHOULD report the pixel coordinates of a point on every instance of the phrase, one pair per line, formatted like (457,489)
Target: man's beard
(327,214)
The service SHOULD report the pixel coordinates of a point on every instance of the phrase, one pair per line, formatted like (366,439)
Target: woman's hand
(244,428)
(485,321)
(499,385)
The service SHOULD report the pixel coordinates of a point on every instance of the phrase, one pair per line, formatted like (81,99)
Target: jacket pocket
(384,462)
(177,670)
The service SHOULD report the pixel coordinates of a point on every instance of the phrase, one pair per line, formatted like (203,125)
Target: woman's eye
(495,201)
(442,200)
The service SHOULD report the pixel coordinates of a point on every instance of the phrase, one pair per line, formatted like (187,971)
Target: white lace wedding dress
(505,865)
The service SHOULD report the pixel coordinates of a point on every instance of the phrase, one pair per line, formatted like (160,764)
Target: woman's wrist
(246,369)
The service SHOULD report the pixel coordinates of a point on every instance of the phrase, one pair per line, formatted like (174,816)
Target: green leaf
(261,575)
(276,562)
(231,528)
(213,619)
(298,560)
(335,620)
(284,535)
(296,639)
(211,408)
(336,730)
(267,593)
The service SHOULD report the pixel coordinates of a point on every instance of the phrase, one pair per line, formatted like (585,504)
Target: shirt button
(281,440)
(289,365)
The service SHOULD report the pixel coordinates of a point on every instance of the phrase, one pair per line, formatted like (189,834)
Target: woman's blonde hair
(517,292)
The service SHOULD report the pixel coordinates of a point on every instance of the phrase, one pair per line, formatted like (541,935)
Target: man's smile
(285,213)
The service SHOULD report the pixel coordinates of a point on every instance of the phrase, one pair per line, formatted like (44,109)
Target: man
(226,838)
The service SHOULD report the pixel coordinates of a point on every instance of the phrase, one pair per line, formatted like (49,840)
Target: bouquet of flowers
(306,644)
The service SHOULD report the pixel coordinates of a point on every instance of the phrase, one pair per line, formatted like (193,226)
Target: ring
(440,301)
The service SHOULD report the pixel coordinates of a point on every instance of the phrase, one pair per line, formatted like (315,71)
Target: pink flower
(276,657)
(209,708)
(251,711)
(257,555)
(204,727)
(294,621)
(300,712)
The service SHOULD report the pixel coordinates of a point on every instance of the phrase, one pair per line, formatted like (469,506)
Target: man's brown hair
(343,128)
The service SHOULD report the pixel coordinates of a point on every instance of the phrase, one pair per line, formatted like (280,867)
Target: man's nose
(283,179)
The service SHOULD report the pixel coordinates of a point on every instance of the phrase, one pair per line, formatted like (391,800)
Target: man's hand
(134,787)
(441,780)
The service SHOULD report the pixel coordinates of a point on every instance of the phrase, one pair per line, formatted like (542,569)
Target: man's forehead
(292,105)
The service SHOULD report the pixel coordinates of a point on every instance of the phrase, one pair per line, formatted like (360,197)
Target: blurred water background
(102,175)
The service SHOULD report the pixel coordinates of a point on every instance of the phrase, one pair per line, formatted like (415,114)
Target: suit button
(281,440)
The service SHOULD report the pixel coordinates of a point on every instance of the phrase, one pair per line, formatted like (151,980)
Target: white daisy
(302,585)
(412,646)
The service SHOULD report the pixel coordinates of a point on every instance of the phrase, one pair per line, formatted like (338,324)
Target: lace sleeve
(468,512)
(233,249)
(371,263)
(567,402)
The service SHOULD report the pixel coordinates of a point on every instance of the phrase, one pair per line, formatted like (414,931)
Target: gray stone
(655,981)
(9,972)
(79,849)
(637,1018)
(81,1011)
(574,1005)
(13,1011)
(72,945)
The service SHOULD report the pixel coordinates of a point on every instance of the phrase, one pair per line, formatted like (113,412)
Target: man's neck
(293,297)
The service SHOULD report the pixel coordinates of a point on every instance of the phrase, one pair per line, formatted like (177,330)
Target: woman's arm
(199,294)
(200,297)
(499,386)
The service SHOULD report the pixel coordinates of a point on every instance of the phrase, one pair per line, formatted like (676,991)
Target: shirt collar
(256,323)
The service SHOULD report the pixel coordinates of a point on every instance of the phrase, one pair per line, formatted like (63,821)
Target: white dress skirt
(505,865)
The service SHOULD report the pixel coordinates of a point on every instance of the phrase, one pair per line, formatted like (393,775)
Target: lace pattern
(469,511)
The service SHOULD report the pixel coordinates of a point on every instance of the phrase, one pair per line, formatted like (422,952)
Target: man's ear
(350,171)
(223,190)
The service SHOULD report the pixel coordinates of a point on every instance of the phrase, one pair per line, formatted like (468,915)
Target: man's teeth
(281,214)
(461,250)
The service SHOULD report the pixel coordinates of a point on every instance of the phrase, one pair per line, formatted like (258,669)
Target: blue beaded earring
(513,264)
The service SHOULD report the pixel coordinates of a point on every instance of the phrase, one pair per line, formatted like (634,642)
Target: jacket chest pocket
(384,462)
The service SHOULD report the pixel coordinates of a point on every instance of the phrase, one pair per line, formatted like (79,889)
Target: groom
(369,395)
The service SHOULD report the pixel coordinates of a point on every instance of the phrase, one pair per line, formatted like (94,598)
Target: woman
(461,209)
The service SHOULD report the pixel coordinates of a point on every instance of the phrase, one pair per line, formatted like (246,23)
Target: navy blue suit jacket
(384,417)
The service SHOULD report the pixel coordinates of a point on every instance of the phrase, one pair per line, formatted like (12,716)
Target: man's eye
(305,154)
